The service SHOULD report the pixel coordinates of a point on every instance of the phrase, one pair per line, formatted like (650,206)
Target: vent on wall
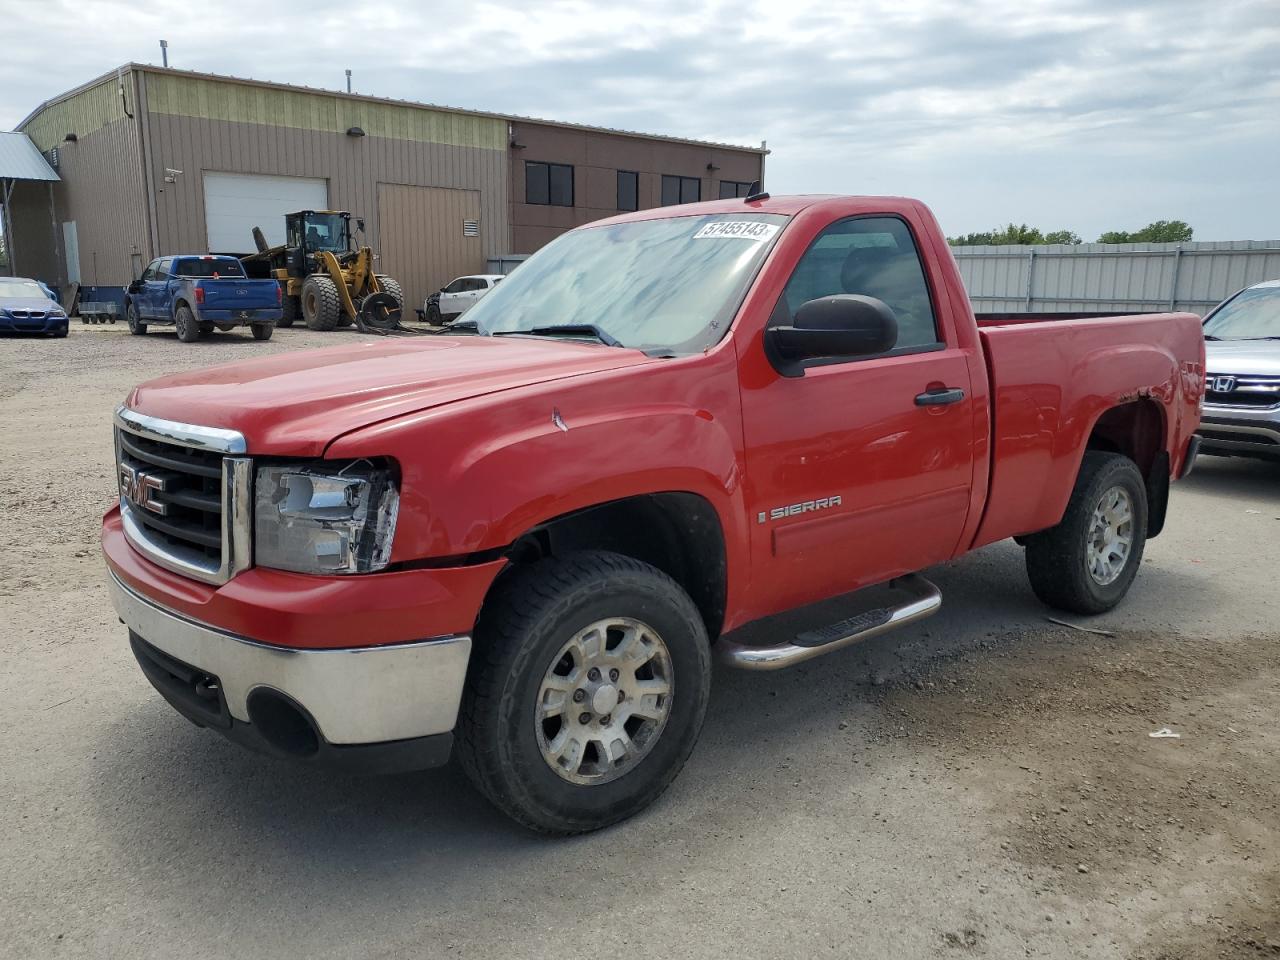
(52,156)
(471,228)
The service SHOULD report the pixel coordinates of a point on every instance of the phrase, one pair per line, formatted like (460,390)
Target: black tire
(136,326)
(1058,559)
(262,331)
(391,286)
(532,614)
(185,322)
(433,315)
(290,310)
(208,328)
(320,307)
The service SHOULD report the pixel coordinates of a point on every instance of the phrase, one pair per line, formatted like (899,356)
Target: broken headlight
(325,517)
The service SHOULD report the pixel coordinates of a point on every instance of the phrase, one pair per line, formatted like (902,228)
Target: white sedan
(458,296)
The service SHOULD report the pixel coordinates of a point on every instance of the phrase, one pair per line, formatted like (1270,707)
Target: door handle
(940,398)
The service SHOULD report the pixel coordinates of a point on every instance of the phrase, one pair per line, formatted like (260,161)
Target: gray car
(1242,366)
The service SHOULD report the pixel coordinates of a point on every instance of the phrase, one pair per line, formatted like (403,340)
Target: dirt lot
(983,784)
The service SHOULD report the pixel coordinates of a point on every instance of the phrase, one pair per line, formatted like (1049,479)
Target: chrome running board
(923,600)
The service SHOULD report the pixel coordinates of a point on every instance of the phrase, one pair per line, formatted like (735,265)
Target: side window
(548,184)
(872,256)
(162,271)
(628,190)
(457,286)
(676,189)
(150,272)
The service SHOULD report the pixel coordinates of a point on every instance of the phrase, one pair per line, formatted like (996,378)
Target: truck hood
(1243,357)
(295,404)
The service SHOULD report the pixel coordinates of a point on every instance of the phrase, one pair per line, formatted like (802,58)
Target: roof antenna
(755,193)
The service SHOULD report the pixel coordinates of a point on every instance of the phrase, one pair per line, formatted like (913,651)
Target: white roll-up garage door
(235,203)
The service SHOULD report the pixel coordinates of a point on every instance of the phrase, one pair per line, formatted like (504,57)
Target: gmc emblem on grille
(140,488)
(1224,384)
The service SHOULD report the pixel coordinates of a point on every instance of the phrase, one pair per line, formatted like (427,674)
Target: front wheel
(1087,563)
(136,326)
(587,690)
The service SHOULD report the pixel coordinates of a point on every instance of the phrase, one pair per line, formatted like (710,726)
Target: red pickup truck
(527,546)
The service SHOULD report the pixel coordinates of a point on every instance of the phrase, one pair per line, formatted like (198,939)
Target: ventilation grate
(471,228)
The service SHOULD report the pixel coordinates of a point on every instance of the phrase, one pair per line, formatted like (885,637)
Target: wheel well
(1136,429)
(679,533)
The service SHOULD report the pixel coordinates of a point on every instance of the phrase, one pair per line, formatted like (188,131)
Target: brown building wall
(596,158)
(356,168)
(101,188)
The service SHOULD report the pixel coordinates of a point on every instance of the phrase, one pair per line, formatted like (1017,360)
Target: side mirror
(360,224)
(844,325)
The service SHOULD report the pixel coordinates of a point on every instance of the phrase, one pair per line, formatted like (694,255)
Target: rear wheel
(586,692)
(320,306)
(262,331)
(136,326)
(185,322)
(1087,563)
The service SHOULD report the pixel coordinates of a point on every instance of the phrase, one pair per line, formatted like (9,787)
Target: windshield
(1252,314)
(208,267)
(320,231)
(20,288)
(669,285)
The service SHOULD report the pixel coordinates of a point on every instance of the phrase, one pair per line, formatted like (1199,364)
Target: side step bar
(923,600)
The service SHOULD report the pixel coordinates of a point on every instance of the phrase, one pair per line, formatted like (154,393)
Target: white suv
(458,296)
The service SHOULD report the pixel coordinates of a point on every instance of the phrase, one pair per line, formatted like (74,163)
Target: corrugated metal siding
(207,99)
(101,188)
(354,166)
(1121,277)
(423,240)
(81,113)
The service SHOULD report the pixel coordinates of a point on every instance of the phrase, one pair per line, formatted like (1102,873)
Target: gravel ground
(980,784)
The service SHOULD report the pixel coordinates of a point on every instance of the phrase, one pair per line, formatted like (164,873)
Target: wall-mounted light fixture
(516,144)
(712,166)
(70,138)
(355,132)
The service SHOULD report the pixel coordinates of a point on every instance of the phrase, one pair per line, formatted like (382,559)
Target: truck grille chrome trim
(185,501)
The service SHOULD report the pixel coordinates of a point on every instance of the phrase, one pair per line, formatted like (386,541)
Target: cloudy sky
(1080,114)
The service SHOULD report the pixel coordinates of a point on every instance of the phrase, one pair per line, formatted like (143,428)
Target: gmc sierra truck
(527,546)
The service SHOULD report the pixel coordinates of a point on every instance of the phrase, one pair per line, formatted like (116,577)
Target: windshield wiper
(1210,336)
(567,329)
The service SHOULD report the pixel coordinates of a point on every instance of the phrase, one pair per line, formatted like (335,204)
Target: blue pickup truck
(197,293)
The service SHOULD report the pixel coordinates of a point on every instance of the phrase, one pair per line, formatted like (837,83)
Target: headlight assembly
(325,516)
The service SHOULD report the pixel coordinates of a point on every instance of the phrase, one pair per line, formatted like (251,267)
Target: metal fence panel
(1121,277)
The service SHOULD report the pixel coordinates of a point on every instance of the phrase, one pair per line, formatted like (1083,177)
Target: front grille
(1248,392)
(184,509)
(184,496)
(28,314)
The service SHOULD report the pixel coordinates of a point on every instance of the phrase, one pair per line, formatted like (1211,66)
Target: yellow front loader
(324,279)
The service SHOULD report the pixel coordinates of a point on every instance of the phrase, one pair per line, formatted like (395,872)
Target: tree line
(1161,231)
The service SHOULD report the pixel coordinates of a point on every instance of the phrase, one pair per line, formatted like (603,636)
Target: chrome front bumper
(360,695)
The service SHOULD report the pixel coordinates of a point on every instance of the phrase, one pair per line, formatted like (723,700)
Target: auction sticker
(737,229)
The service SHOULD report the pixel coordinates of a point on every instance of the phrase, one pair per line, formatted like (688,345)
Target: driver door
(855,474)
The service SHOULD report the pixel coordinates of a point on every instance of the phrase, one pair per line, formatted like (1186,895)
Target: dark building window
(548,184)
(734,188)
(680,190)
(628,190)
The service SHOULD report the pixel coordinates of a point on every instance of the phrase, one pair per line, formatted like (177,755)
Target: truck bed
(1050,383)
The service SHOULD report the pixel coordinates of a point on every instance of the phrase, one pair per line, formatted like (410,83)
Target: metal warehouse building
(154,161)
